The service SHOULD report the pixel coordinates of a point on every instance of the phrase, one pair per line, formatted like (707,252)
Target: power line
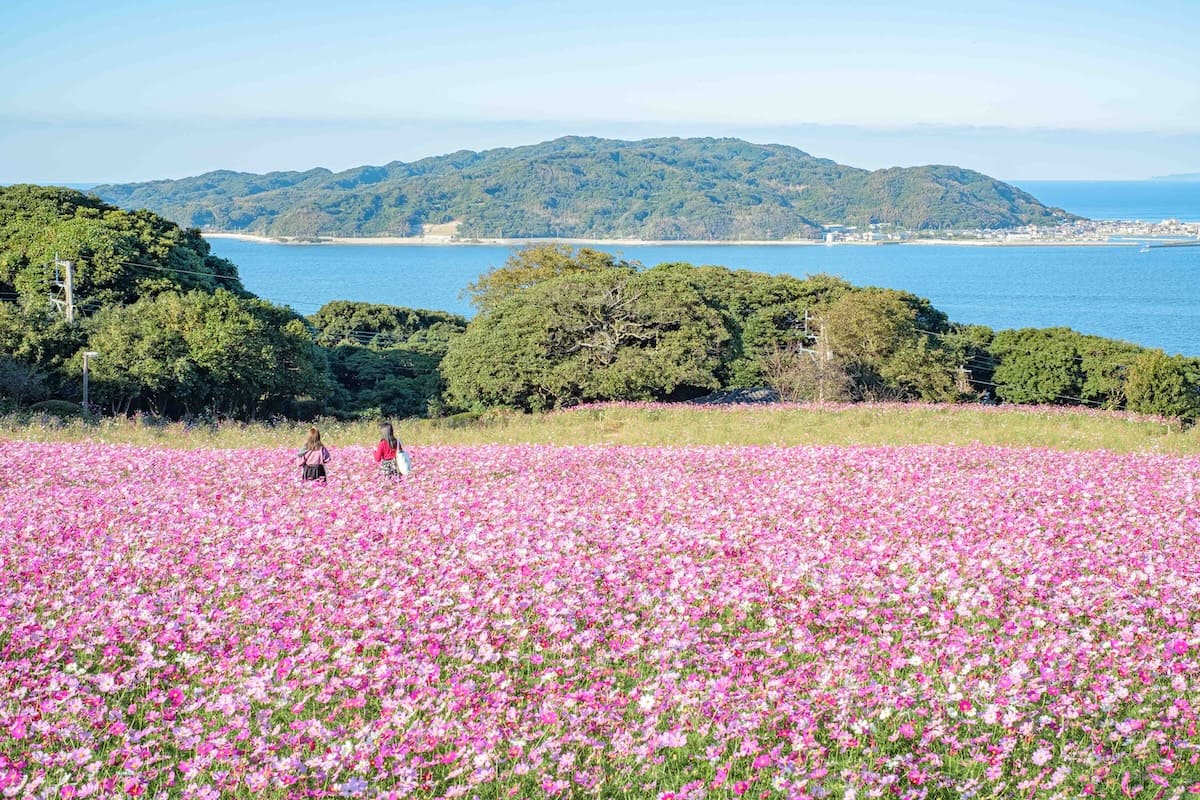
(1080,400)
(1031,351)
(988,361)
(216,275)
(1077,400)
(310,303)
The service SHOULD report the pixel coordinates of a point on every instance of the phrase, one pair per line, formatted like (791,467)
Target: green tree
(535,264)
(883,339)
(119,255)
(343,322)
(178,354)
(588,335)
(761,313)
(1037,366)
(41,347)
(385,359)
(145,361)
(20,384)
(1059,365)
(1167,385)
(1105,364)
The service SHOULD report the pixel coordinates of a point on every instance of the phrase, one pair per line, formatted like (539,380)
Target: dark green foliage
(382,326)
(172,339)
(609,334)
(1037,366)
(578,331)
(58,408)
(21,383)
(396,382)
(889,344)
(176,332)
(1162,384)
(706,189)
(178,354)
(760,313)
(39,351)
(1060,366)
(119,255)
(531,265)
(384,359)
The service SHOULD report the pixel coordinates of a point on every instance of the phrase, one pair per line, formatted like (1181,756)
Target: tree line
(558,327)
(179,336)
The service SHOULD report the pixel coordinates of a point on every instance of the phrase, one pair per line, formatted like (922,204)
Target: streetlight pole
(87,356)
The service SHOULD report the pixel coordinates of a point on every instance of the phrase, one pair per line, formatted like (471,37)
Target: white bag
(403,462)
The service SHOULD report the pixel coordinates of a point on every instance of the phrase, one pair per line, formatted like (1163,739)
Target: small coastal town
(1078,232)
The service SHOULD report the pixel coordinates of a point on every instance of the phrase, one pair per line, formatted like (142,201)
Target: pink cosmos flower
(775,606)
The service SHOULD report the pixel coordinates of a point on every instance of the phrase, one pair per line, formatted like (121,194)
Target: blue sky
(133,89)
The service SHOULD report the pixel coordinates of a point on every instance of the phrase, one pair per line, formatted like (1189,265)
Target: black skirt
(316,473)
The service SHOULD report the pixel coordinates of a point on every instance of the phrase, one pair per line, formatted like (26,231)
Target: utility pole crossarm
(64,281)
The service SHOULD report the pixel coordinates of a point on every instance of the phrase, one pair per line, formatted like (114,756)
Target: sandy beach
(447,241)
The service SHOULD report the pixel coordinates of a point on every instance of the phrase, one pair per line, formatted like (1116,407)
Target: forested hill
(707,189)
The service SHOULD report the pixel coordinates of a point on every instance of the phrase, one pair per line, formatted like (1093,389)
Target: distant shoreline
(445,241)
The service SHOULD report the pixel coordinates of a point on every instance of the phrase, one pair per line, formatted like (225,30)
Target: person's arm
(380,449)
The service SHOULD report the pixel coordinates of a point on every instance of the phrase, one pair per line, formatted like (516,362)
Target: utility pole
(87,356)
(816,345)
(962,380)
(824,351)
(64,279)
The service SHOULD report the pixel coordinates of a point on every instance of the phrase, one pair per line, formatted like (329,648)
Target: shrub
(59,408)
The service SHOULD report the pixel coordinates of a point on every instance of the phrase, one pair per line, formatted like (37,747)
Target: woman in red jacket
(388,451)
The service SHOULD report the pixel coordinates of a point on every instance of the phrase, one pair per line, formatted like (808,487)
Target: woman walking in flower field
(389,453)
(314,457)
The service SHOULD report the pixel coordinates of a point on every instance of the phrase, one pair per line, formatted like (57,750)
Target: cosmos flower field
(534,621)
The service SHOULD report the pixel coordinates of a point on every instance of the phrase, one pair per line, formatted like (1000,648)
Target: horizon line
(760,125)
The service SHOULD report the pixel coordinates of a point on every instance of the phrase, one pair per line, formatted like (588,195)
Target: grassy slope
(683,425)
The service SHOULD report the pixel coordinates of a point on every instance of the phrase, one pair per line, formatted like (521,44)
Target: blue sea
(1151,298)
(1148,201)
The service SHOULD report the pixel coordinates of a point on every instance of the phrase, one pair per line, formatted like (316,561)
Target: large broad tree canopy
(119,256)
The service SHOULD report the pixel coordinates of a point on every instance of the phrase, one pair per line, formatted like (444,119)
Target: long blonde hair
(314,440)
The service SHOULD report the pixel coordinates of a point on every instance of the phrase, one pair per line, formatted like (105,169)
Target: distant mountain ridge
(577,187)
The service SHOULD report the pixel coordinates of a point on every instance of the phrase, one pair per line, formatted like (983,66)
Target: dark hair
(388,435)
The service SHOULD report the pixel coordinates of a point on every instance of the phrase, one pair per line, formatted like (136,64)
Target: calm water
(1150,201)
(1149,298)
